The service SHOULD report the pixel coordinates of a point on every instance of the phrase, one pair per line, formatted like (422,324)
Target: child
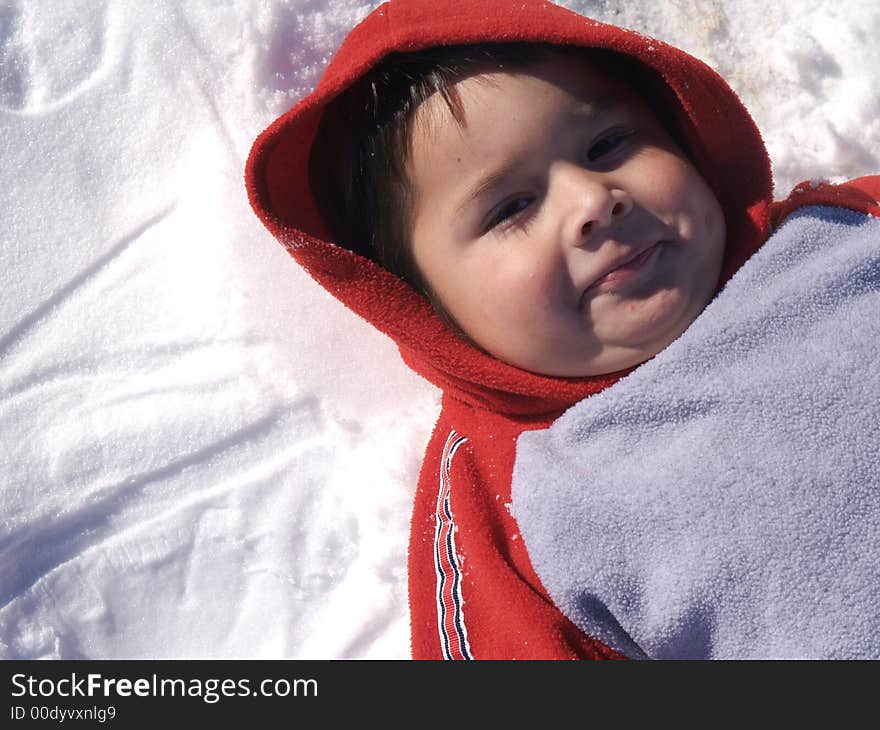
(530,221)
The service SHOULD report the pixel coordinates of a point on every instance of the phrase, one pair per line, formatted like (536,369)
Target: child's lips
(621,272)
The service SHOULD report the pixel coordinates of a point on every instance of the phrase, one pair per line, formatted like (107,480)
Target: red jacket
(473,591)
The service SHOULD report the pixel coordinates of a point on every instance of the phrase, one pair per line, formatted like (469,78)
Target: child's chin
(646,326)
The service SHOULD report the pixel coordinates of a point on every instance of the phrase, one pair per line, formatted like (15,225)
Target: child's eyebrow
(587,111)
(486,185)
(581,113)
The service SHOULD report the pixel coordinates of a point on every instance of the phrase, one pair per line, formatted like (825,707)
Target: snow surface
(202,454)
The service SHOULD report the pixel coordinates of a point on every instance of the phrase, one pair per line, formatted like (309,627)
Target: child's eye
(609,143)
(508,210)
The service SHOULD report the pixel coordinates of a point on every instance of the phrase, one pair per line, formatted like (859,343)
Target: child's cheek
(534,284)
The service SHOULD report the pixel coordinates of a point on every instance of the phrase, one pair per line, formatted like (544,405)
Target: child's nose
(593,204)
(615,205)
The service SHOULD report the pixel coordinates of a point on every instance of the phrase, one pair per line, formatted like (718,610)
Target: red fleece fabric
(494,606)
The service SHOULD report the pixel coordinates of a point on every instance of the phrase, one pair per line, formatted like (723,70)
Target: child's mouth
(624,272)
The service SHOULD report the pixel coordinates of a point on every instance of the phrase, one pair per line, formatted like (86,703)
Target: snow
(202,454)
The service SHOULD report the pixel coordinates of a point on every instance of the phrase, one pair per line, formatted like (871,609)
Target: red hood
(721,137)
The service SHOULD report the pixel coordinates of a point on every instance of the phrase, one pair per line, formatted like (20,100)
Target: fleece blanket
(723,500)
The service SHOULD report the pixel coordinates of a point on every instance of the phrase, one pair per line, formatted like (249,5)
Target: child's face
(559,225)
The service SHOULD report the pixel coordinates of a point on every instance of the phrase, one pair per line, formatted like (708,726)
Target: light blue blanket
(723,500)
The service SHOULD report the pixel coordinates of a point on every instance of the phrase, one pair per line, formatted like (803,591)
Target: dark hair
(364,192)
(358,162)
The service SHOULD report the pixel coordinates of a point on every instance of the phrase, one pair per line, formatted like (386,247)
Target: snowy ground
(201,453)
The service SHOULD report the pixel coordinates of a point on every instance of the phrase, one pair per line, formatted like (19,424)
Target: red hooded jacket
(473,591)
